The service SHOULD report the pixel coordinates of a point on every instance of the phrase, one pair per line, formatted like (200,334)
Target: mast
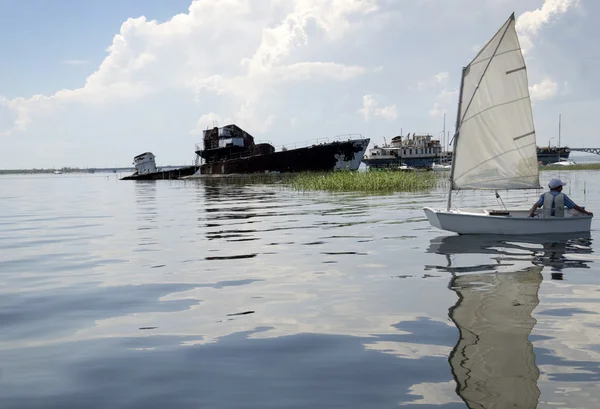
(443,153)
(458,117)
(455,138)
(559,123)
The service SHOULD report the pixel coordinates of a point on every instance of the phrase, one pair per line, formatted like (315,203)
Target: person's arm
(537,204)
(571,205)
(582,210)
(532,211)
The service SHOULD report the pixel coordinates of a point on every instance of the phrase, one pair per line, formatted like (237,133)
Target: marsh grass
(385,181)
(586,166)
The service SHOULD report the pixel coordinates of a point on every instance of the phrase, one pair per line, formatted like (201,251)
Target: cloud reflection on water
(494,362)
(350,302)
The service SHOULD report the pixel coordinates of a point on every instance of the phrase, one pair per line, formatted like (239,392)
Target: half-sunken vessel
(230,149)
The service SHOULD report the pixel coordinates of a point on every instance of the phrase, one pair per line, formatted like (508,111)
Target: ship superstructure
(418,151)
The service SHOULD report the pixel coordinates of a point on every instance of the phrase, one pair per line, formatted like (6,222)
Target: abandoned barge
(145,169)
(231,150)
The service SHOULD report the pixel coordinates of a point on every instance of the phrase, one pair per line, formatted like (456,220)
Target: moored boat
(417,151)
(552,154)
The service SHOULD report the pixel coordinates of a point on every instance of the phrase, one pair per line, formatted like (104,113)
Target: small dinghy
(495,145)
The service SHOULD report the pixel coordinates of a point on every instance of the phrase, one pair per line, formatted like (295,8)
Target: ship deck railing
(289,146)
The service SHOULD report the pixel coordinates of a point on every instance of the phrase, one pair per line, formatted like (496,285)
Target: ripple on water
(213,294)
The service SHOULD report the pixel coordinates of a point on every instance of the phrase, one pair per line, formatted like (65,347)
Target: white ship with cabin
(417,151)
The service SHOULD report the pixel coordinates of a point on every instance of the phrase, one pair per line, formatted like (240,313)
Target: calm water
(187,294)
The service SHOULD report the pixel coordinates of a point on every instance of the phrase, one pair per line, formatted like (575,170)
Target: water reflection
(493,361)
(146,212)
(557,252)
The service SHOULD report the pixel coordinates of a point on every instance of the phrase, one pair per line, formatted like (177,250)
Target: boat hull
(324,157)
(164,174)
(383,163)
(552,155)
(516,222)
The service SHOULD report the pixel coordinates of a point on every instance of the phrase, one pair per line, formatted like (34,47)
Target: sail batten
(495,146)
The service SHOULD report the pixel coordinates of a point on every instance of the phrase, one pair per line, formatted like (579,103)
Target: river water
(190,294)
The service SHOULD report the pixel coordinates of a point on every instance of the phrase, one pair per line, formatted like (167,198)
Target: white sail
(495,146)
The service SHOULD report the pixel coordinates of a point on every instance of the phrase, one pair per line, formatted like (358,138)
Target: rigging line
(460,121)
(501,201)
(484,72)
(504,178)
(495,157)
(492,107)
(497,55)
(511,18)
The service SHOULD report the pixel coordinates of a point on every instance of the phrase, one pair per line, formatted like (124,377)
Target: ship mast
(559,123)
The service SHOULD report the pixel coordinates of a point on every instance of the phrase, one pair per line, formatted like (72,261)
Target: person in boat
(554,201)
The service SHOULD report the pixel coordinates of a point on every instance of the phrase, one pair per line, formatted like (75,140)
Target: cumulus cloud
(438,79)
(207,121)
(445,100)
(146,57)
(529,23)
(266,65)
(370,109)
(544,90)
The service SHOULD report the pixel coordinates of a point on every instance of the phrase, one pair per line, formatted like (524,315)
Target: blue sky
(286,71)
(39,35)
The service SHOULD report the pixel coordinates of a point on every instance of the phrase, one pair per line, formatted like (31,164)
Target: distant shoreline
(44,171)
(578,166)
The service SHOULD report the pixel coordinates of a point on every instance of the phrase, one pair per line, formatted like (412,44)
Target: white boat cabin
(419,146)
(145,163)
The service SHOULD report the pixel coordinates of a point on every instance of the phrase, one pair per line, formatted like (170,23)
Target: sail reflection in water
(493,362)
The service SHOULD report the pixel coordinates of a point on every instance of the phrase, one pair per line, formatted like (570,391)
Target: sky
(94,83)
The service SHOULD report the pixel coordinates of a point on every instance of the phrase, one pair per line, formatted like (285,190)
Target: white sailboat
(440,167)
(495,144)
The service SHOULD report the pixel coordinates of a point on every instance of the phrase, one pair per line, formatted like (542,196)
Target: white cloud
(544,90)
(430,393)
(207,121)
(370,109)
(266,65)
(445,100)
(435,80)
(147,56)
(530,22)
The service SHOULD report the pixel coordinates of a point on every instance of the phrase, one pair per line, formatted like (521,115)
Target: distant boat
(441,168)
(550,154)
(57,172)
(564,163)
(145,169)
(416,151)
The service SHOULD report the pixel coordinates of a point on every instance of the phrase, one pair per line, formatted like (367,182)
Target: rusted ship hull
(323,157)
(164,174)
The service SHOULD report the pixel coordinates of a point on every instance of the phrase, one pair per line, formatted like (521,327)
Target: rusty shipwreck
(230,150)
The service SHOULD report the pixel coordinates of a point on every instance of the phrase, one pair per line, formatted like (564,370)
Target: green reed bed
(585,166)
(371,181)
